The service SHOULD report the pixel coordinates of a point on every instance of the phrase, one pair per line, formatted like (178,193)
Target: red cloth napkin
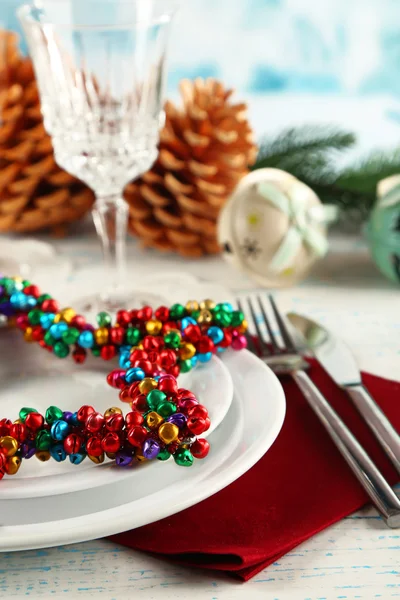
(299,487)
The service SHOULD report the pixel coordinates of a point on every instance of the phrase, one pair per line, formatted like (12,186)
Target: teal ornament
(383,228)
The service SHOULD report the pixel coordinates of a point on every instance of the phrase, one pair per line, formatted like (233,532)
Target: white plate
(161,489)
(34,260)
(43,381)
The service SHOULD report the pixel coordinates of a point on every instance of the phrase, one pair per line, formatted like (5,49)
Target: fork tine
(264,347)
(268,326)
(250,342)
(286,336)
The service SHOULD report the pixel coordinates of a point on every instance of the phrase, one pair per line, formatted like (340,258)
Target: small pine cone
(205,149)
(34,192)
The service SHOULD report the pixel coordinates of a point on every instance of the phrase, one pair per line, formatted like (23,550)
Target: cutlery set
(301,337)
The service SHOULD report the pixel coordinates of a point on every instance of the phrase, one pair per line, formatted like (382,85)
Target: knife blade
(339,362)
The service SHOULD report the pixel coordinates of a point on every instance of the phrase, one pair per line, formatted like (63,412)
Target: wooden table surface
(358,558)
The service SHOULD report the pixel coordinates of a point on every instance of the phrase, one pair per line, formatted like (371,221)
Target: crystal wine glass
(100,66)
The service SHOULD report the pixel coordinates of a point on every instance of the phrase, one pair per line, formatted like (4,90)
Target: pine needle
(307,143)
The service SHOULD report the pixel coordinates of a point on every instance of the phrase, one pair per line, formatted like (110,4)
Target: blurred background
(298,60)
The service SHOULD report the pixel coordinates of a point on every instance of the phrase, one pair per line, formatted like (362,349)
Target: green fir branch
(307,143)
(364,176)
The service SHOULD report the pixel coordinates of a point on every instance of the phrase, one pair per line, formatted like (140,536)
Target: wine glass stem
(110,216)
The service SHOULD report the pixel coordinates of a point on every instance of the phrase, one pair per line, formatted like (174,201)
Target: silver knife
(339,362)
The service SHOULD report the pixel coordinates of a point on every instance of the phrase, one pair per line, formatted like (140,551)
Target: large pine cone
(34,192)
(205,149)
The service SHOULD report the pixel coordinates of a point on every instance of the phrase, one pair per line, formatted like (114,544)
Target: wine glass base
(90,306)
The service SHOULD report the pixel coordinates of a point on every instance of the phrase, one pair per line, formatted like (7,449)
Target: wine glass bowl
(100,67)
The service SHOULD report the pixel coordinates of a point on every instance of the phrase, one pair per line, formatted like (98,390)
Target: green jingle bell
(133,336)
(177,311)
(183,457)
(43,440)
(53,413)
(154,398)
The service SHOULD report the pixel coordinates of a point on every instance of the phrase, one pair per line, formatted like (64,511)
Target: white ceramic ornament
(273,227)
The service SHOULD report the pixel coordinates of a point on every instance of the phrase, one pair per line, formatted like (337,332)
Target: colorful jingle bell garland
(152,347)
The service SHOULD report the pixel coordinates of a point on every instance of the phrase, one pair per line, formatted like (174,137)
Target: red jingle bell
(50,305)
(37,333)
(196,425)
(162,314)
(79,355)
(111,442)
(133,389)
(78,321)
(227,340)
(152,343)
(115,422)
(116,378)
(168,384)
(117,335)
(94,422)
(174,370)
(84,412)
(192,333)
(108,352)
(32,290)
(124,395)
(123,318)
(200,448)
(153,357)
(134,418)
(73,443)
(34,421)
(22,321)
(145,313)
(205,344)
(166,359)
(145,365)
(198,411)
(138,355)
(140,404)
(18,431)
(5,425)
(93,446)
(168,326)
(136,436)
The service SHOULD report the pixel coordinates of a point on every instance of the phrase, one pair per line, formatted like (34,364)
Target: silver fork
(369,476)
